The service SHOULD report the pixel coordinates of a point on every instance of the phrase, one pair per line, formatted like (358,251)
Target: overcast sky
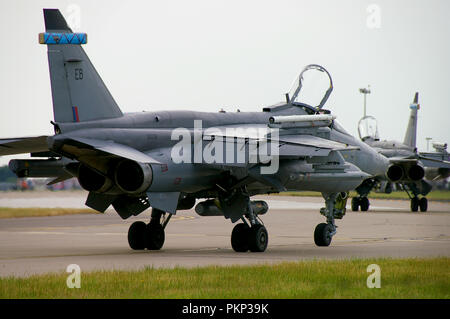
(206,55)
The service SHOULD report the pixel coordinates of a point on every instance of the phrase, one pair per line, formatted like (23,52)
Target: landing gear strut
(254,238)
(334,209)
(151,235)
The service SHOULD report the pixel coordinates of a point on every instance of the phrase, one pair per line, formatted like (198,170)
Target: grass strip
(400,278)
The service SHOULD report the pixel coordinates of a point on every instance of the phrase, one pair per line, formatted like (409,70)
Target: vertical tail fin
(78,92)
(411,130)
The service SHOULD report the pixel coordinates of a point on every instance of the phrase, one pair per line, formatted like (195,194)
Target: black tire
(155,236)
(423,204)
(239,238)
(258,239)
(355,204)
(137,235)
(414,204)
(322,235)
(364,204)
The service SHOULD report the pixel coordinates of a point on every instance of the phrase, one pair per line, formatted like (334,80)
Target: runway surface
(46,244)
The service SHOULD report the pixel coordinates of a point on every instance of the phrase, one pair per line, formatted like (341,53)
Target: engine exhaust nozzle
(395,173)
(416,172)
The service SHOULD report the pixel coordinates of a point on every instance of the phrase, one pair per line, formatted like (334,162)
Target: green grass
(434,195)
(8,212)
(400,278)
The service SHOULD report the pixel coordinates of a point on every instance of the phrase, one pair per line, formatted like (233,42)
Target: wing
(425,161)
(80,148)
(288,145)
(20,145)
(315,142)
(402,160)
(431,162)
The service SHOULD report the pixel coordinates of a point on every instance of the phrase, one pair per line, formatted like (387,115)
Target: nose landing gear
(334,209)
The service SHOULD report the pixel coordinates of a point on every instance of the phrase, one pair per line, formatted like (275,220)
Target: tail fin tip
(411,129)
(54,20)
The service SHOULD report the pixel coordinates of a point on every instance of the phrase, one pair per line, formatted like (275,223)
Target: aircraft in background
(408,169)
(440,154)
(175,160)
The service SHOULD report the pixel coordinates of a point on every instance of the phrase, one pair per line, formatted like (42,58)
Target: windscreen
(368,128)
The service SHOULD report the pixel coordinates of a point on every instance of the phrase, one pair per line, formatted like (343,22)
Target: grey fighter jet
(437,172)
(409,169)
(175,160)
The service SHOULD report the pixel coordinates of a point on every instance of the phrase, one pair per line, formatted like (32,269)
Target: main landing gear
(417,203)
(334,209)
(363,190)
(360,202)
(253,237)
(151,235)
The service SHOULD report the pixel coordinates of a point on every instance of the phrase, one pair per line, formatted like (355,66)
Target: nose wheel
(323,235)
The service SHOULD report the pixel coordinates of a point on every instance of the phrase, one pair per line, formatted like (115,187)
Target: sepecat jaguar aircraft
(177,160)
(409,168)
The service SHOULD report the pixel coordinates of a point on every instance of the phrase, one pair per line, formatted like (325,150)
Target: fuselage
(392,148)
(151,133)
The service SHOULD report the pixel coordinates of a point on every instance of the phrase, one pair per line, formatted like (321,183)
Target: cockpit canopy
(311,89)
(368,128)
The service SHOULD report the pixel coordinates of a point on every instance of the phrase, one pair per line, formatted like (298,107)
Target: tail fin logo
(62,38)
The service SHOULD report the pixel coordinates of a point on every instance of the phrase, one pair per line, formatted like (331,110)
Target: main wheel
(137,235)
(364,204)
(258,238)
(414,204)
(355,204)
(322,235)
(423,204)
(155,236)
(239,237)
